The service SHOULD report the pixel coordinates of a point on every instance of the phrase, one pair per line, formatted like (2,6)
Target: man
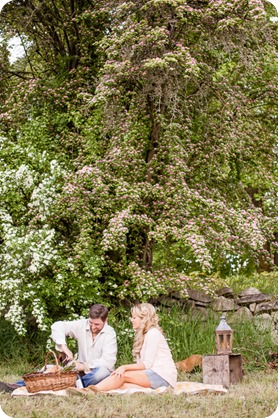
(97,344)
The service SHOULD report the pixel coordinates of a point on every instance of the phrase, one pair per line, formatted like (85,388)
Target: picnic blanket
(189,388)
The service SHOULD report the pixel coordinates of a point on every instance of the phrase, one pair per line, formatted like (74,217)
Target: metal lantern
(224,337)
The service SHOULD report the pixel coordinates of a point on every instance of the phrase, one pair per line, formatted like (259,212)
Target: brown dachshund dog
(189,363)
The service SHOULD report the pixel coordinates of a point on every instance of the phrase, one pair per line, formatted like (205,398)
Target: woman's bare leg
(131,385)
(136,378)
(110,383)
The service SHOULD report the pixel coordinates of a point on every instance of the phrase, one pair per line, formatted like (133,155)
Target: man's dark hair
(98,311)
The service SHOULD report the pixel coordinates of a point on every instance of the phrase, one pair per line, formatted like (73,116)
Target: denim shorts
(156,381)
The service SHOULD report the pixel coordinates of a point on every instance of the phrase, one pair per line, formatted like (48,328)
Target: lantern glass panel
(224,337)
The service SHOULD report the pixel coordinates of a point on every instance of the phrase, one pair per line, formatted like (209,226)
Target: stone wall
(251,305)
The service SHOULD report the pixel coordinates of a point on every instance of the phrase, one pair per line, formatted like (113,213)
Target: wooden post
(222,369)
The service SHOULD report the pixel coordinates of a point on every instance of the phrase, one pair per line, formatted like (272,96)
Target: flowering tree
(188,149)
(145,154)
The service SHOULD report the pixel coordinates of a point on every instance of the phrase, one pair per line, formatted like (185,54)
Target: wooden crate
(222,369)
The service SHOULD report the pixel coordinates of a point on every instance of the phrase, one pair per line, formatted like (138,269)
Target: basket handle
(46,358)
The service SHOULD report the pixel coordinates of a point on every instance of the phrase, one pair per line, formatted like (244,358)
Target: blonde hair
(147,313)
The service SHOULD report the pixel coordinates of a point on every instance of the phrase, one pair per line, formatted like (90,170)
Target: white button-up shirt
(100,351)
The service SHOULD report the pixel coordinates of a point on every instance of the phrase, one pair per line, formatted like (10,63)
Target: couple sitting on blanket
(97,350)
(154,365)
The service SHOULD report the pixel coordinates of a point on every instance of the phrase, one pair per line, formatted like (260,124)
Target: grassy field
(255,397)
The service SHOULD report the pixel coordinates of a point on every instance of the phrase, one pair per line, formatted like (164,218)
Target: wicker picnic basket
(39,381)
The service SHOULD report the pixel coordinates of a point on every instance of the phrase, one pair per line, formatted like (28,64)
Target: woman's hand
(119,372)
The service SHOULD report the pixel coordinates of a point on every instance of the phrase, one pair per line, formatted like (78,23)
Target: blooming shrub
(138,152)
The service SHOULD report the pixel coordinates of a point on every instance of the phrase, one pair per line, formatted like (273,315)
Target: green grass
(255,397)
(186,335)
(264,282)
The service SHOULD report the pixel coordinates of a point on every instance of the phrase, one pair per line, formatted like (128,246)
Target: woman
(154,365)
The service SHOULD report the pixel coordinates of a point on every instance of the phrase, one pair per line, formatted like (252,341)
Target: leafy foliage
(138,151)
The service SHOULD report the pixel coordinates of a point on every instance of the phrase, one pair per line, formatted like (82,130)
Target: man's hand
(79,366)
(68,353)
